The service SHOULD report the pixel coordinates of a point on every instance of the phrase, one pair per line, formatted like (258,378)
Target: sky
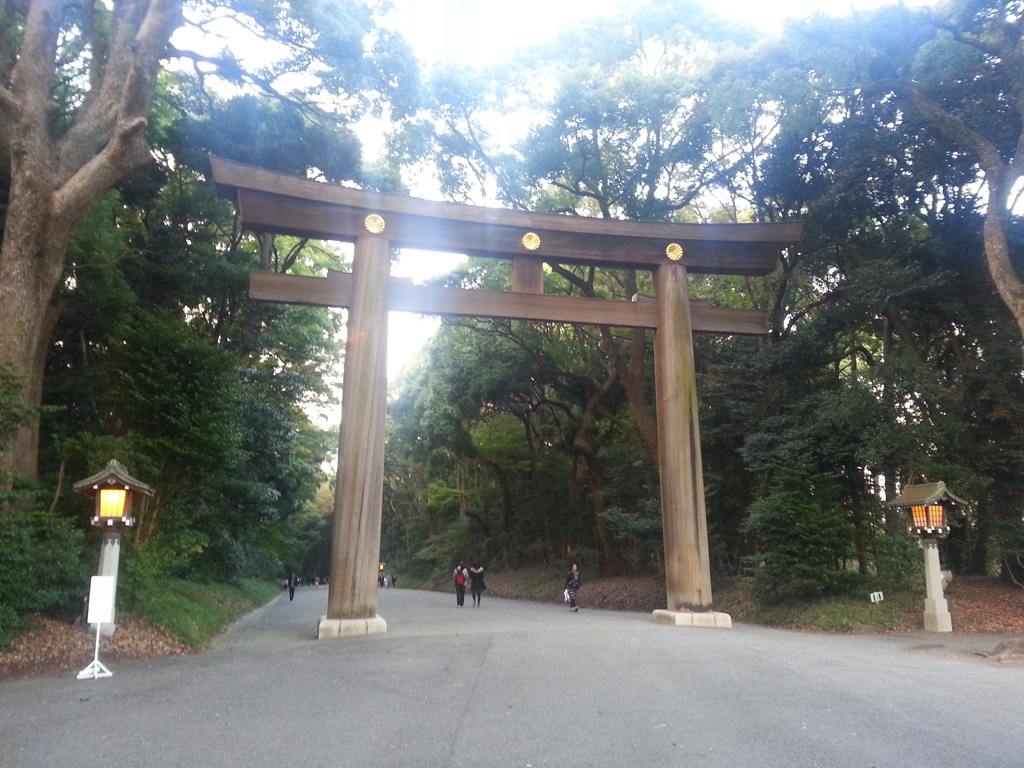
(484,31)
(481,32)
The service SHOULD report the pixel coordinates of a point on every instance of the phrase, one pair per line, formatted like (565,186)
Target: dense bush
(802,540)
(42,568)
(897,561)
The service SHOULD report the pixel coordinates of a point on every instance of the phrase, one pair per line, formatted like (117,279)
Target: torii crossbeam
(376,223)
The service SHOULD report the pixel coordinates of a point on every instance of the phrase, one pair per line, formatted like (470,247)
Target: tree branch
(126,150)
(138,39)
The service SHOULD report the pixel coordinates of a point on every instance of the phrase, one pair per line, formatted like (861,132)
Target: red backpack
(460,576)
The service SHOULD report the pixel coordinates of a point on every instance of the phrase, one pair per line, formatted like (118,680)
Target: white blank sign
(101,600)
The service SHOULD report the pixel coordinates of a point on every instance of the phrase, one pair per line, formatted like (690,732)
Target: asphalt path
(523,685)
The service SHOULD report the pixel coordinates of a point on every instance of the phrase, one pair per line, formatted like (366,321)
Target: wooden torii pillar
(376,223)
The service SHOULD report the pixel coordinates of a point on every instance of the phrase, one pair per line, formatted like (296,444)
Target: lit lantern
(113,490)
(928,519)
(927,504)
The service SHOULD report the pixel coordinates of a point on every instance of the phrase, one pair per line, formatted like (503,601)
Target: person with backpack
(572,586)
(461,577)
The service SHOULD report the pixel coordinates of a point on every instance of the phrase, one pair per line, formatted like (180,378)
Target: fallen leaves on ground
(51,646)
(980,604)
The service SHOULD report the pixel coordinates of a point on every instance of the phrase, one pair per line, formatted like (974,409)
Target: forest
(894,352)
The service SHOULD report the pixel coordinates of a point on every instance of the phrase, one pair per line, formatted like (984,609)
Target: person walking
(292,581)
(476,583)
(461,577)
(572,586)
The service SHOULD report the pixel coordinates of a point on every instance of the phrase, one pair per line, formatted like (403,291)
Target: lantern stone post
(927,504)
(936,610)
(113,490)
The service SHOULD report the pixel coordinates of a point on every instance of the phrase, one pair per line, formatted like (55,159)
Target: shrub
(802,540)
(42,566)
(897,561)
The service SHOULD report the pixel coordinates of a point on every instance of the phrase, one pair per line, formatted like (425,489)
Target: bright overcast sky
(485,31)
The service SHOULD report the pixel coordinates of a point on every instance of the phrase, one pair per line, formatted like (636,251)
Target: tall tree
(961,67)
(161,361)
(77,81)
(71,126)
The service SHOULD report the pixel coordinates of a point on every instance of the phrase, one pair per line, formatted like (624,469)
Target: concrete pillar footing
(711,619)
(332,628)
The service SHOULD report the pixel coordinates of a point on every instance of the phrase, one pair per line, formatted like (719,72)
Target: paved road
(524,685)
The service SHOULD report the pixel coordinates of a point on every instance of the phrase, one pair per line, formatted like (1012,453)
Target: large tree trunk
(1001,176)
(55,178)
(31,265)
(582,448)
(631,376)
(997,247)
(32,311)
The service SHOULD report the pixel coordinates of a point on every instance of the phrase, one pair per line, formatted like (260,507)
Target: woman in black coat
(572,586)
(476,583)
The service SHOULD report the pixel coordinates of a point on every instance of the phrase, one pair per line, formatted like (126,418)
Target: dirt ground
(978,605)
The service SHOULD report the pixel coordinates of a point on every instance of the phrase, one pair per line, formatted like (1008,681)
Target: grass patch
(542,579)
(196,612)
(835,614)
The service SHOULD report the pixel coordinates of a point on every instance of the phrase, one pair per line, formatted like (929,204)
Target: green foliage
(802,539)
(841,613)
(633,511)
(897,561)
(170,555)
(161,365)
(178,393)
(442,551)
(197,612)
(888,360)
(13,414)
(43,568)
(13,411)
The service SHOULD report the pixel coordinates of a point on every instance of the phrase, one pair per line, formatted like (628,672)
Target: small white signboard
(101,611)
(101,600)
(877,597)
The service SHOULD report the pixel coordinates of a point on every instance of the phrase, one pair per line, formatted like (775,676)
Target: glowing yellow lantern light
(928,517)
(112,501)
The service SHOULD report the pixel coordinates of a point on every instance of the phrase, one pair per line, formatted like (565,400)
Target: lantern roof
(111,475)
(925,493)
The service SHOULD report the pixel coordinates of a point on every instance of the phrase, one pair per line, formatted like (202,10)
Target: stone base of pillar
(711,619)
(331,628)
(936,616)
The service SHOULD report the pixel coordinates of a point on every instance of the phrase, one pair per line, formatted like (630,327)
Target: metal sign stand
(96,669)
(101,611)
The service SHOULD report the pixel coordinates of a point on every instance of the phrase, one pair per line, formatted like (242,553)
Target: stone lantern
(113,490)
(927,504)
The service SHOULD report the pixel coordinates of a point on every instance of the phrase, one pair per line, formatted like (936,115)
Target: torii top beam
(276,202)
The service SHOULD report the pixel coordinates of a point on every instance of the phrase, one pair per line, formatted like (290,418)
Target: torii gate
(376,223)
